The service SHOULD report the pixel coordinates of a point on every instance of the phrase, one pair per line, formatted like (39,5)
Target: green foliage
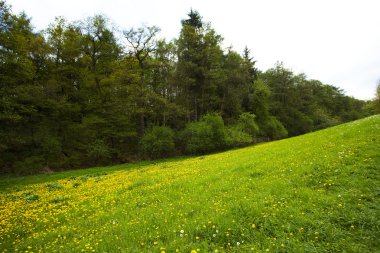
(235,137)
(247,124)
(54,187)
(99,151)
(58,200)
(30,165)
(198,138)
(31,198)
(206,135)
(158,141)
(274,129)
(376,101)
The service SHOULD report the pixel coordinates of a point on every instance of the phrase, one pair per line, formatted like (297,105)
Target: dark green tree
(142,43)
(199,64)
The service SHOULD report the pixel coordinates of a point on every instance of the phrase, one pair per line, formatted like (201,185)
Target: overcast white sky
(334,41)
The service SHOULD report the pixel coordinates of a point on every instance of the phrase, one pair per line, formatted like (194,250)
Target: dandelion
(182,231)
(193,251)
(253,226)
(213,235)
(238,243)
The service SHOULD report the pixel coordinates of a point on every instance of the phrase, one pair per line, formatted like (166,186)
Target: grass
(314,193)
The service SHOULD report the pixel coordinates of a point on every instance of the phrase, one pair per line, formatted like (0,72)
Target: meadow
(317,192)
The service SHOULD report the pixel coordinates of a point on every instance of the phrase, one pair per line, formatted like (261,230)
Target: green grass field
(314,193)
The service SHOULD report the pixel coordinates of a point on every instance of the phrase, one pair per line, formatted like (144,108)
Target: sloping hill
(313,193)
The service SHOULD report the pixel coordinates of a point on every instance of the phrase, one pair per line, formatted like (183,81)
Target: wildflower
(238,243)
(253,226)
(182,231)
(193,251)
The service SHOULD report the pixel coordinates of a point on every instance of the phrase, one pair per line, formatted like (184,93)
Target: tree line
(84,94)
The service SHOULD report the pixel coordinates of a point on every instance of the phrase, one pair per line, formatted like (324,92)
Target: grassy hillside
(314,193)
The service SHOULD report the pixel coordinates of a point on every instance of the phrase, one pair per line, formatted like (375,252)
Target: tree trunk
(141,124)
(195,108)
(142,102)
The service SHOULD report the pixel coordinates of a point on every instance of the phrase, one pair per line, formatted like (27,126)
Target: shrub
(216,123)
(98,151)
(274,129)
(206,135)
(158,141)
(198,138)
(29,165)
(235,137)
(248,124)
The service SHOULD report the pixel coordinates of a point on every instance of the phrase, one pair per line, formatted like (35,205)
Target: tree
(142,43)
(233,86)
(377,100)
(100,47)
(199,64)
(21,56)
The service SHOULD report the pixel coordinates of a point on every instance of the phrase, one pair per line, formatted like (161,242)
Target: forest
(84,93)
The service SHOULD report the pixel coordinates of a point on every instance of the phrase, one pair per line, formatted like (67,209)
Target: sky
(334,41)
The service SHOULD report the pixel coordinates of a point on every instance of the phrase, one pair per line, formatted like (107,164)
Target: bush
(248,124)
(216,123)
(98,151)
(274,129)
(235,137)
(206,135)
(30,165)
(198,138)
(157,142)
